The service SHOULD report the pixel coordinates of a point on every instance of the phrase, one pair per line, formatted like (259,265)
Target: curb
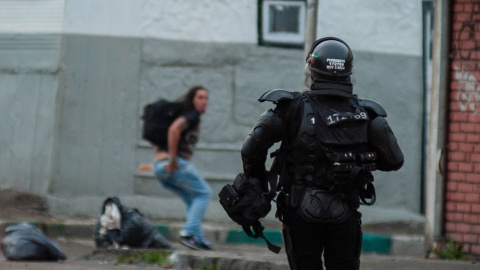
(187,261)
(402,245)
(380,244)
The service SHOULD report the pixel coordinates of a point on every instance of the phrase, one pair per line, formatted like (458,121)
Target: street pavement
(225,256)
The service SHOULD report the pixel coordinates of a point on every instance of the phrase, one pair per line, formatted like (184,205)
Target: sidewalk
(385,246)
(233,249)
(385,241)
(81,254)
(383,231)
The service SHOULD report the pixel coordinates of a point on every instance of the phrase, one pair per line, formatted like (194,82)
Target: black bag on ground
(157,118)
(119,225)
(25,242)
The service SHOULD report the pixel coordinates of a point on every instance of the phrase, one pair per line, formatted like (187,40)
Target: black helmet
(330,56)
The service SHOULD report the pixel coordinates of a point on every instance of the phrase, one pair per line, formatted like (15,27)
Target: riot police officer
(331,141)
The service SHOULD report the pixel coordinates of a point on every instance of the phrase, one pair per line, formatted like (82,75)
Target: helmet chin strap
(319,78)
(332,88)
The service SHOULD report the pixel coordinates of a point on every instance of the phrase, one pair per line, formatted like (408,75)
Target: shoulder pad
(276,95)
(373,106)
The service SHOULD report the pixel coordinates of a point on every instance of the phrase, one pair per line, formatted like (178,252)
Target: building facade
(75,75)
(462,199)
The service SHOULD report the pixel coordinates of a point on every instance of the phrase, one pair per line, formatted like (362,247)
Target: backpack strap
(258,233)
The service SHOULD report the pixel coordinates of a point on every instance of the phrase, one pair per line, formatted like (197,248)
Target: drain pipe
(437,126)
(310,36)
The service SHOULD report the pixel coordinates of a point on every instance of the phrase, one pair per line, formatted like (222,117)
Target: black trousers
(305,243)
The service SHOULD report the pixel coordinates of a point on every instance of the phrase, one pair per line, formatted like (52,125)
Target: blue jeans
(192,189)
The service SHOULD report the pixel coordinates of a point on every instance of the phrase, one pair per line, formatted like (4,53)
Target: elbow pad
(382,139)
(268,130)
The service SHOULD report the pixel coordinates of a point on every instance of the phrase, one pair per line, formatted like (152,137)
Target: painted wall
(189,20)
(392,27)
(117,55)
(30,41)
(371,25)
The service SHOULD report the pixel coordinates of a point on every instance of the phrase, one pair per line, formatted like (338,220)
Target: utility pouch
(282,202)
(228,196)
(295,196)
(245,202)
(321,206)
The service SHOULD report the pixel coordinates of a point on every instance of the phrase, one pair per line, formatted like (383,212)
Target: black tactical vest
(332,131)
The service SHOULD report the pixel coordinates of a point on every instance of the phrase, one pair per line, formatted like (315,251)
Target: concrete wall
(114,57)
(96,138)
(30,41)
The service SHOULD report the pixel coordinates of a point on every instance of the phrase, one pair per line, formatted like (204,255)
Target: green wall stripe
(376,243)
(240,237)
(370,243)
(163,230)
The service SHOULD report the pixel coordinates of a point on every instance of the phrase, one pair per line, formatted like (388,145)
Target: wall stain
(468,91)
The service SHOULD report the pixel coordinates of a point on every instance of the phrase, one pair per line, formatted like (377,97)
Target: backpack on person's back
(157,118)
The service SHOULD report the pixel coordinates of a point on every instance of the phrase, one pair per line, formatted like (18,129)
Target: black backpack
(157,118)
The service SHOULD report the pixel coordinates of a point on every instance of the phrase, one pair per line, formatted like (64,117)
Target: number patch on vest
(337,118)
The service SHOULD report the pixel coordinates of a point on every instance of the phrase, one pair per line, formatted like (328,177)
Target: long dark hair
(186,101)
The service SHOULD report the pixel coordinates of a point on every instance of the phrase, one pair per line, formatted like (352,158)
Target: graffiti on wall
(468,91)
(467,69)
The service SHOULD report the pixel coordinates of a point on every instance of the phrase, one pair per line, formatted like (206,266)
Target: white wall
(192,20)
(31,16)
(103,17)
(392,26)
(381,26)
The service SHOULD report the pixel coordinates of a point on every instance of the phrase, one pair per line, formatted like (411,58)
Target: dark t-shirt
(189,137)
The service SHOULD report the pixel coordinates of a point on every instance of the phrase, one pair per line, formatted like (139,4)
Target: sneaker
(190,242)
(206,246)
